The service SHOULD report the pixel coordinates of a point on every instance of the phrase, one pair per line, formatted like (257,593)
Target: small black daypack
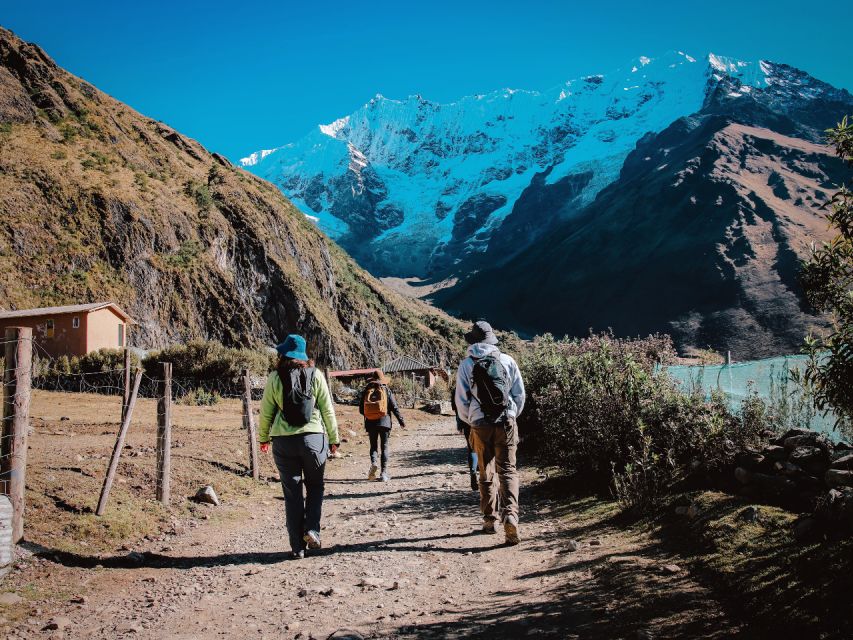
(297,396)
(491,388)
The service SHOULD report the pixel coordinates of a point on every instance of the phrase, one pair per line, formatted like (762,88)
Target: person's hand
(403,425)
(265,447)
(333,448)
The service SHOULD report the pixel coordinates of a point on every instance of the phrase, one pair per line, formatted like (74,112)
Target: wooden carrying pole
(126,396)
(249,425)
(17,381)
(164,434)
(122,432)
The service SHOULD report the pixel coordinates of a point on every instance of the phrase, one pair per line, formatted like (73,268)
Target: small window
(75,322)
(121,335)
(50,329)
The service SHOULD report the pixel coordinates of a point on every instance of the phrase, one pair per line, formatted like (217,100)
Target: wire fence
(127,385)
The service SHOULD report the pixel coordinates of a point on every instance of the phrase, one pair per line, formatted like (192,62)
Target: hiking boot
(312,540)
(374,469)
(385,477)
(511,531)
(489,526)
(297,555)
(475,482)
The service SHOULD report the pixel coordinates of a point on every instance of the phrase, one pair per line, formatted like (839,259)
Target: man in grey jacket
(493,441)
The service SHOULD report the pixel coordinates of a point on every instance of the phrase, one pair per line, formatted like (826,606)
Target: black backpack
(491,388)
(297,395)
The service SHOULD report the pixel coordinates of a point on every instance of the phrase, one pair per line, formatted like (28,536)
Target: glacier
(414,187)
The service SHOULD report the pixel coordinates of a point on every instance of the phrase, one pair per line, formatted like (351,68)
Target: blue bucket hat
(293,347)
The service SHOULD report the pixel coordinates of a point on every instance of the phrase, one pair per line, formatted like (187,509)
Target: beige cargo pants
(496,447)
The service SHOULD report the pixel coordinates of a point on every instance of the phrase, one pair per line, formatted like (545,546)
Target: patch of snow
(332,130)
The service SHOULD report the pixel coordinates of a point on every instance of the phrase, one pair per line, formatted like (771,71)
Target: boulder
(838,478)
(439,408)
(749,514)
(773,484)
(743,476)
(803,440)
(789,434)
(805,529)
(775,453)
(837,506)
(748,459)
(207,495)
(787,468)
(812,459)
(844,462)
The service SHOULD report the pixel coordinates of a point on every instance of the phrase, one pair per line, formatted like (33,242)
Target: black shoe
(475,483)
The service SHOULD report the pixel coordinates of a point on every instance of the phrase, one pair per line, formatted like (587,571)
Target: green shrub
(200,192)
(599,410)
(827,276)
(200,397)
(104,360)
(404,388)
(185,256)
(200,360)
(439,391)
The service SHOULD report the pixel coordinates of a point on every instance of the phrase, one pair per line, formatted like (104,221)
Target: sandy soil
(400,560)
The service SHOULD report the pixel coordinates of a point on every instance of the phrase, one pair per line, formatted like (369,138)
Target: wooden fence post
(122,432)
(126,395)
(164,435)
(249,425)
(17,383)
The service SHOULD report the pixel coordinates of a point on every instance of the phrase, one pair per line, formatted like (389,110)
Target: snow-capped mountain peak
(412,186)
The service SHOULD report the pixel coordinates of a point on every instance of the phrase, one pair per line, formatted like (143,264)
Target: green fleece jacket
(272,421)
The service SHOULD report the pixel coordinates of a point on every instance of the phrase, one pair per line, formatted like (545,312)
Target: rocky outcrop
(99,202)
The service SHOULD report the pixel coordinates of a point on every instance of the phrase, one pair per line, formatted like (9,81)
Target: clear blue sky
(248,74)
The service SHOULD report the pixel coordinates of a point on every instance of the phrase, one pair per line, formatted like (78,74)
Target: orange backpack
(376,402)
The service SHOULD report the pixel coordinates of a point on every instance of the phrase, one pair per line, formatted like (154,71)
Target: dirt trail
(402,559)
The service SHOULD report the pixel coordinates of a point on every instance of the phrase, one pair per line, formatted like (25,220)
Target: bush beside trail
(599,411)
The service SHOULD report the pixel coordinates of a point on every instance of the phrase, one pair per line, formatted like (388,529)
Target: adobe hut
(72,330)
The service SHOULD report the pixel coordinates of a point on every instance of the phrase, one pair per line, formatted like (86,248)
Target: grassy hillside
(99,202)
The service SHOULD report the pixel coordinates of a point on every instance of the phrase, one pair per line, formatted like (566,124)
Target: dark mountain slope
(100,202)
(701,236)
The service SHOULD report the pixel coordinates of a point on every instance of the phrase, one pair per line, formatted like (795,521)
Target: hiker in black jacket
(376,405)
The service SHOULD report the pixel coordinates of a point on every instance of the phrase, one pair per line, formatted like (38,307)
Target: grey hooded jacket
(467,406)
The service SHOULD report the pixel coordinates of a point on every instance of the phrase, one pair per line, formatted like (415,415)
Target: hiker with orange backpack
(377,404)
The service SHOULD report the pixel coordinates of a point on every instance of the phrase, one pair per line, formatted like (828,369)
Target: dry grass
(73,437)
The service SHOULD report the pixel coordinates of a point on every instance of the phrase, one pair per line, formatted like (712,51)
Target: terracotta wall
(65,341)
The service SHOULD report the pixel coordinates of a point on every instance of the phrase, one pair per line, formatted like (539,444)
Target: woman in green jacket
(298,416)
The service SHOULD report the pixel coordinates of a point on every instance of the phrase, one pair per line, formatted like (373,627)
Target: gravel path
(403,559)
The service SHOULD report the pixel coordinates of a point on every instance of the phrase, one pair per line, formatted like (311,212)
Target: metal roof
(72,308)
(353,372)
(406,363)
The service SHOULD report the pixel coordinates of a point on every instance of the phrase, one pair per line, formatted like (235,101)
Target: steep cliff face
(100,202)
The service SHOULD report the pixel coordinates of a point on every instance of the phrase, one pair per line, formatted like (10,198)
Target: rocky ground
(401,560)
